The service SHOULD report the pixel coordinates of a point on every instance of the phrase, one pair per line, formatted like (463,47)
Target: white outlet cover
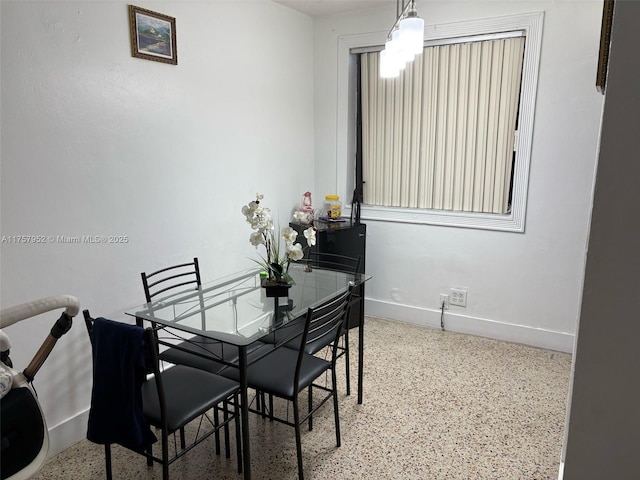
(458,297)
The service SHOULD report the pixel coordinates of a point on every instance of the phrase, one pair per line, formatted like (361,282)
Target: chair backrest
(168,278)
(324,321)
(334,261)
(122,355)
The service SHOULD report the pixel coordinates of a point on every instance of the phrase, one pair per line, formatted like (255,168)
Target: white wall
(521,287)
(604,421)
(96,142)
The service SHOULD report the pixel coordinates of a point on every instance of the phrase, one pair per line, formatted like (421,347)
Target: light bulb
(412,33)
(394,55)
(389,67)
(399,48)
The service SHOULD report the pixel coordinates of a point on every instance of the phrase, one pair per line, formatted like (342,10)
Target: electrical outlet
(458,297)
(444,299)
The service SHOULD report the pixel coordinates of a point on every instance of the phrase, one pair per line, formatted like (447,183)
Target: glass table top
(235,308)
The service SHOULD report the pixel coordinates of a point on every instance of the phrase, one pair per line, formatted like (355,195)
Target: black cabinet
(342,238)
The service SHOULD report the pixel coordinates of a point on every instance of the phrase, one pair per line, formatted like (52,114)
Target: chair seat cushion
(275,372)
(205,346)
(184,402)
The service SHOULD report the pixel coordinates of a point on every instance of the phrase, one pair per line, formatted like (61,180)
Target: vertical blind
(441,135)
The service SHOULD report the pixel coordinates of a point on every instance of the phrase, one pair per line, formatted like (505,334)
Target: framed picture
(605,40)
(153,35)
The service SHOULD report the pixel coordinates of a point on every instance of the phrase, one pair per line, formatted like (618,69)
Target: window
(439,143)
(441,135)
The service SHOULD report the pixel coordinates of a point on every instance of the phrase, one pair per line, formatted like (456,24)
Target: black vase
(275,288)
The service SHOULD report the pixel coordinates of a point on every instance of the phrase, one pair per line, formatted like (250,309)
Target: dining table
(236,310)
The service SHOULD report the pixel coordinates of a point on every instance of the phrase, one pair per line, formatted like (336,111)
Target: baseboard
(67,433)
(456,322)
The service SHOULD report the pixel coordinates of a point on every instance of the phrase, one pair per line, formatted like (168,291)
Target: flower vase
(275,288)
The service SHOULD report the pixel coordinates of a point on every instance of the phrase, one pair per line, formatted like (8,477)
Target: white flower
(295,252)
(262,224)
(256,239)
(289,235)
(248,213)
(310,235)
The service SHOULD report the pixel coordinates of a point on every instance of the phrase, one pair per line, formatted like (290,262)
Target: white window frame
(514,221)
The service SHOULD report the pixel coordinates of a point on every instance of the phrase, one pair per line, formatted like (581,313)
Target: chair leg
(335,405)
(296,421)
(263,405)
(271,407)
(107,461)
(225,415)
(165,455)
(345,339)
(310,406)
(149,451)
(236,412)
(216,426)
(182,439)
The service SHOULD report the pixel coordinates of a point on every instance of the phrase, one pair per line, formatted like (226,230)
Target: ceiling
(319,8)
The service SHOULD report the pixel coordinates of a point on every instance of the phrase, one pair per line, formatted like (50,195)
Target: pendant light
(404,41)
(412,31)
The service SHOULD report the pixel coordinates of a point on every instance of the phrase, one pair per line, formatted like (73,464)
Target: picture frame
(153,35)
(605,41)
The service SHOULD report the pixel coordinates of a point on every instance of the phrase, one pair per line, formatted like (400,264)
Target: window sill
(483,221)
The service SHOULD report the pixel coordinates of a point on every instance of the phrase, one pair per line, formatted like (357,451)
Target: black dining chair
(199,351)
(333,261)
(284,372)
(130,394)
(329,261)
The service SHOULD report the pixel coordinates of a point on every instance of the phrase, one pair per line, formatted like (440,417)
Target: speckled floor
(437,405)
